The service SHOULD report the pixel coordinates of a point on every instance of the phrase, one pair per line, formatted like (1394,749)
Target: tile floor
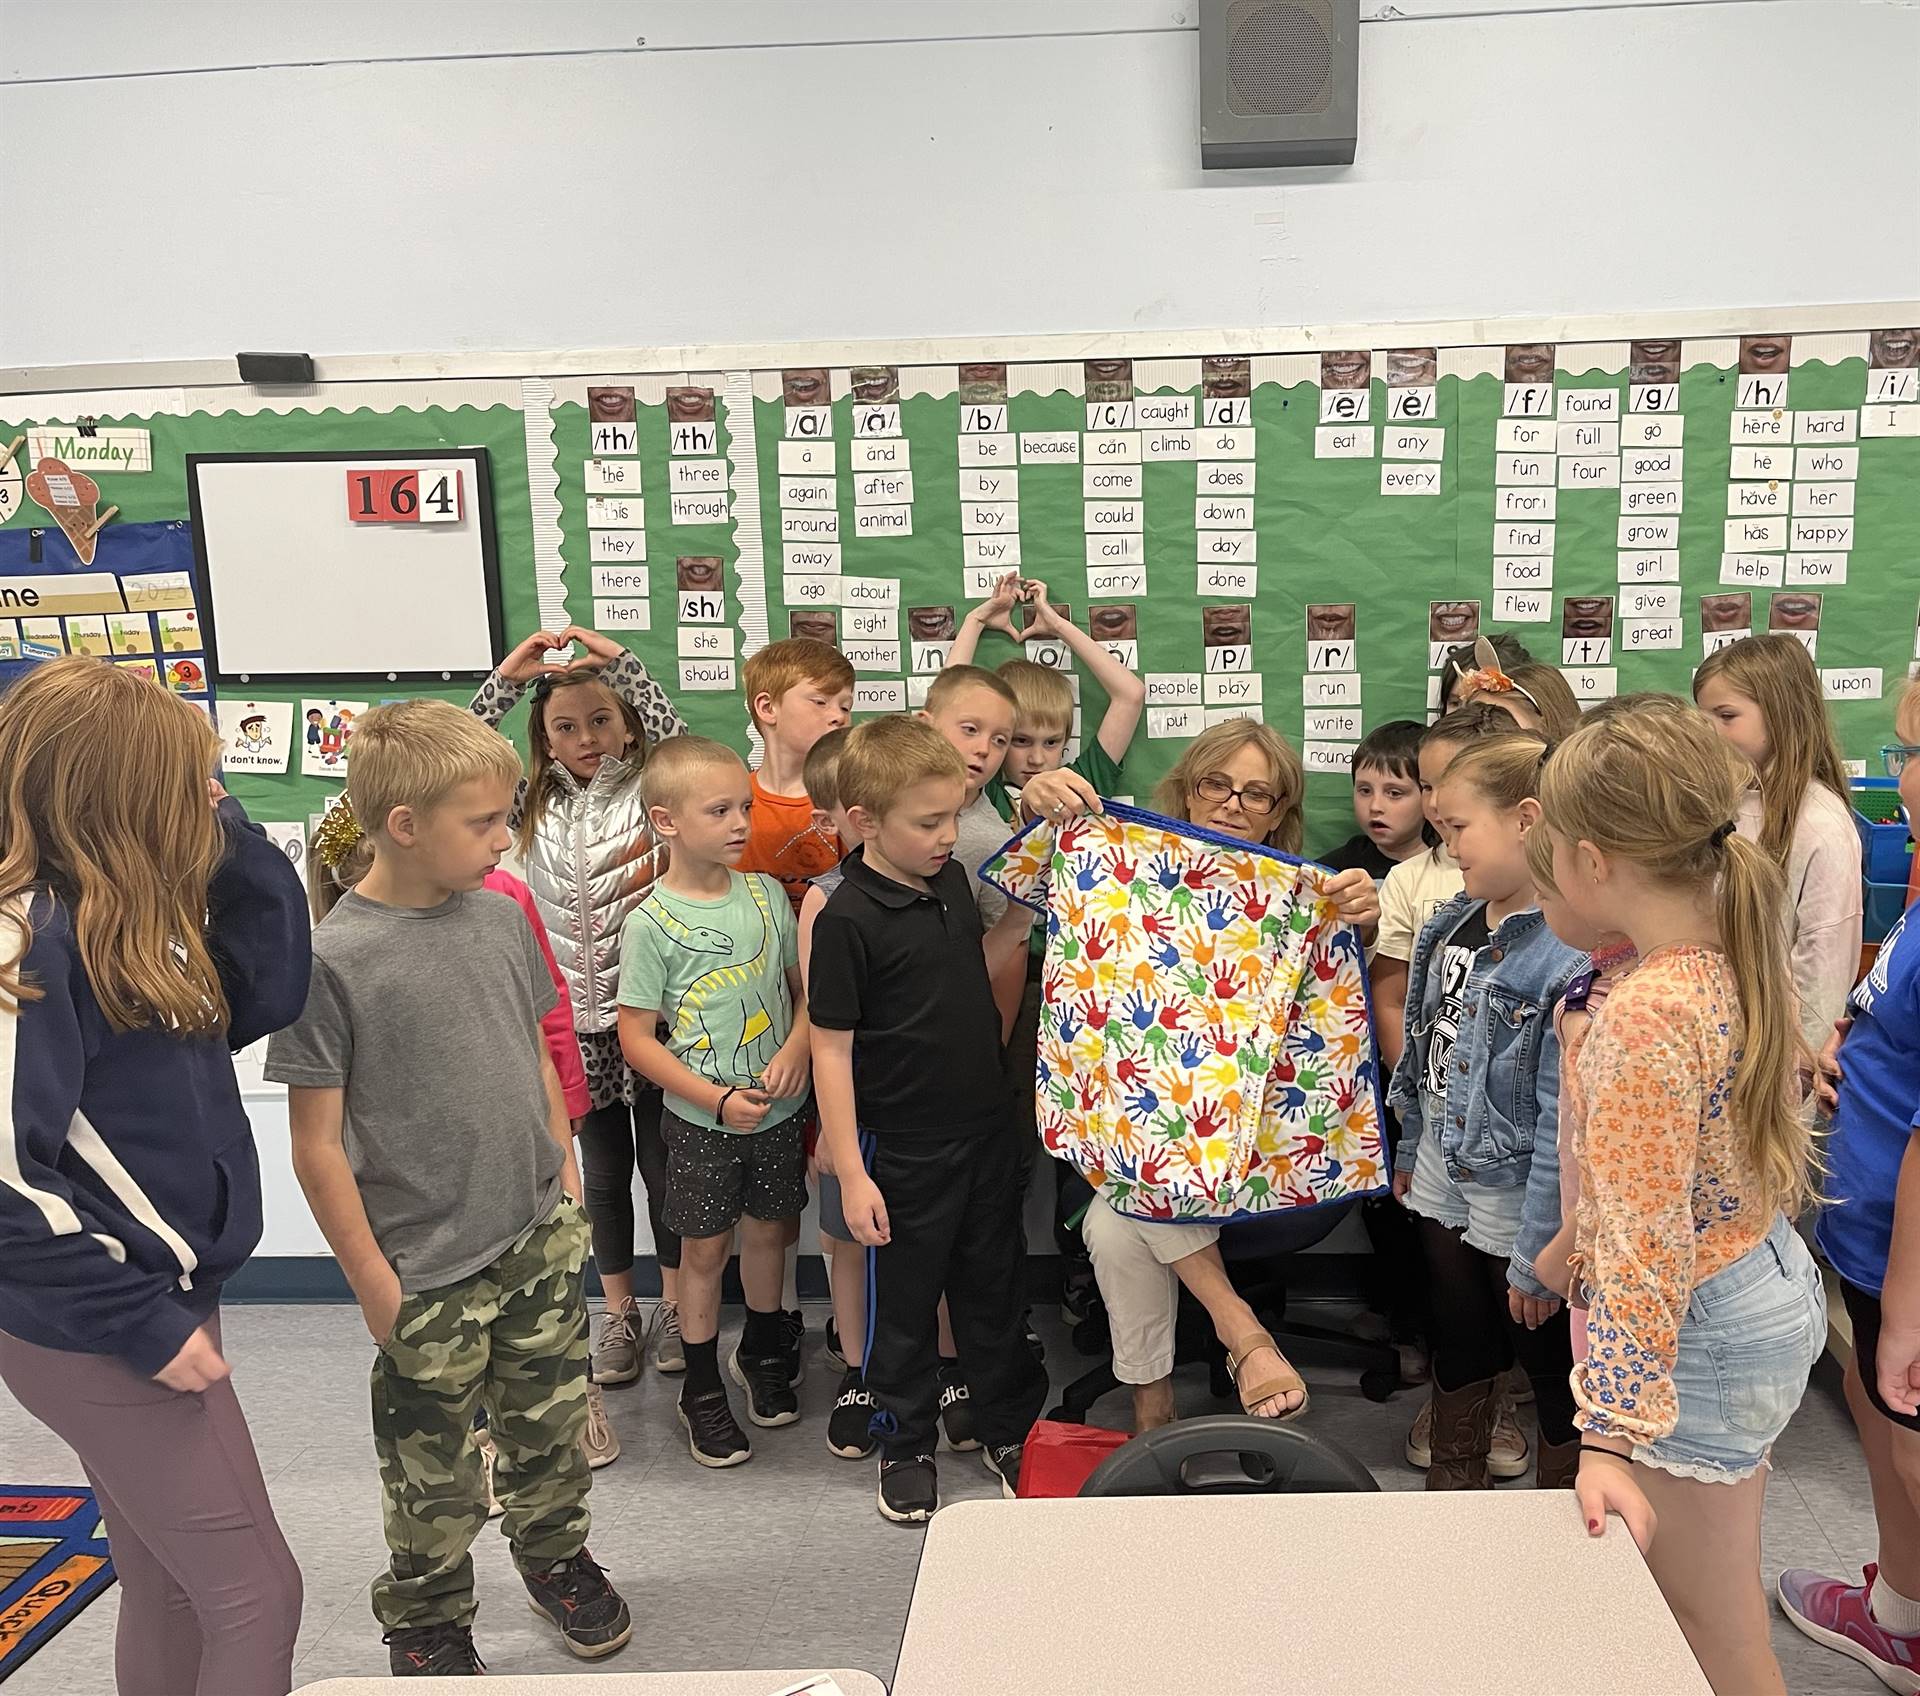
(782,1562)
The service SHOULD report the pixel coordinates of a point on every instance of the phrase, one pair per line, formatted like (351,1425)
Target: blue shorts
(1750,1338)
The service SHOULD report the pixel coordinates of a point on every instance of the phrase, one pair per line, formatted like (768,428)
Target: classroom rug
(53,1562)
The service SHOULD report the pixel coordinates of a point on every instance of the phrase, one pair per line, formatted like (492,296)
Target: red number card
(383,495)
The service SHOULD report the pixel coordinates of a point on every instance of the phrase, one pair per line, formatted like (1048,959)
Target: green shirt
(1093,763)
(717,970)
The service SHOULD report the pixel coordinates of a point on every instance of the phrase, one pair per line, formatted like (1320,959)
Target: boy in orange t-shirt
(797,690)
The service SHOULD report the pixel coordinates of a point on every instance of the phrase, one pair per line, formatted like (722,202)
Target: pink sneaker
(1837,1615)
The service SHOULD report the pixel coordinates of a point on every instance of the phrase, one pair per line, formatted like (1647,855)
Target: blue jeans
(1749,1339)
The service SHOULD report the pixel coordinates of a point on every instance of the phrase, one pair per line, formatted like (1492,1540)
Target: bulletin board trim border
(946,350)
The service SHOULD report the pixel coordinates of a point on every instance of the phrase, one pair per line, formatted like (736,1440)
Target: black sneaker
(591,1618)
(714,1437)
(793,1335)
(849,1432)
(770,1397)
(836,1356)
(1003,1461)
(956,1408)
(1034,1341)
(909,1490)
(433,1651)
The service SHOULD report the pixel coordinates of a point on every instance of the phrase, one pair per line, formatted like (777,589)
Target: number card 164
(400,495)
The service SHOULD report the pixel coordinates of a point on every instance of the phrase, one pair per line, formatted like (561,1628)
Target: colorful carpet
(53,1562)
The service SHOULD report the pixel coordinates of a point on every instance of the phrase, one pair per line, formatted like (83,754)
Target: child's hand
(198,1366)
(1531,1311)
(1355,898)
(996,611)
(601,650)
(380,1307)
(1827,1076)
(529,659)
(1550,1265)
(865,1210)
(1042,620)
(1402,1185)
(216,791)
(744,1109)
(1606,1485)
(787,1072)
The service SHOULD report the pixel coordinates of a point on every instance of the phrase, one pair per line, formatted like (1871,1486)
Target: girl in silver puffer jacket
(590,857)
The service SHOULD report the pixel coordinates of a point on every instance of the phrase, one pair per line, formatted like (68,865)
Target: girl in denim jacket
(1477,1090)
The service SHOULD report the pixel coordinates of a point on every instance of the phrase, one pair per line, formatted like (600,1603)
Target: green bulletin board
(1320,530)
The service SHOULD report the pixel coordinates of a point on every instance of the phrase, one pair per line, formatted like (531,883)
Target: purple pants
(210,1594)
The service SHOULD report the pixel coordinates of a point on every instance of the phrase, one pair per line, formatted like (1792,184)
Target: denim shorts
(1489,1218)
(1750,1337)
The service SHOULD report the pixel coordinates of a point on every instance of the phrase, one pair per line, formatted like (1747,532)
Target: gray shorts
(713,1176)
(833,1221)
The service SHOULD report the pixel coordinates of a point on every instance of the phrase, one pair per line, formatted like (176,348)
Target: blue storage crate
(1886,848)
(1881,905)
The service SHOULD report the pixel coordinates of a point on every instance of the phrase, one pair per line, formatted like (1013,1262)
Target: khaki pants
(1133,1264)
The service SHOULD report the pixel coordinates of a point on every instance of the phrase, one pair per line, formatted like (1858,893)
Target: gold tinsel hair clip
(337,833)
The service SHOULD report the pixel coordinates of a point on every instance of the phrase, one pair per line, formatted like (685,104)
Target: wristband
(1611,1454)
(720,1107)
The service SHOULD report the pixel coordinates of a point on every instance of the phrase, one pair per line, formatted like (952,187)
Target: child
(904,1025)
(1870,1236)
(1043,724)
(849,1426)
(1387,803)
(975,710)
(1418,887)
(597,1440)
(1535,695)
(436,1155)
(1239,779)
(797,690)
(1763,695)
(144,931)
(1705,1311)
(1477,1090)
(1462,661)
(590,858)
(712,953)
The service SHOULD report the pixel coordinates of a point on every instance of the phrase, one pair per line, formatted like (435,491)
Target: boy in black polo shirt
(913,1108)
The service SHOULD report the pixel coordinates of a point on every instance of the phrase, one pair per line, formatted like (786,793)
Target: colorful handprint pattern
(1205,1052)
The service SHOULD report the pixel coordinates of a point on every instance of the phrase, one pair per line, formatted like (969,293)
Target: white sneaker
(597,1441)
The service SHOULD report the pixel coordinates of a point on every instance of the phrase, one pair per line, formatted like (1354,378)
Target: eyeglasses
(1256,800)
(1895,758)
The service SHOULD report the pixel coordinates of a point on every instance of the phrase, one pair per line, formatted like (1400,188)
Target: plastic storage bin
(1881,905)
(1886,848)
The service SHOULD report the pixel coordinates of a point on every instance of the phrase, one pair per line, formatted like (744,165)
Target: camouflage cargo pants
(512,1339)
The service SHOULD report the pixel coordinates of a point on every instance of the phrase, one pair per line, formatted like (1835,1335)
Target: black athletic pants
(953,1212)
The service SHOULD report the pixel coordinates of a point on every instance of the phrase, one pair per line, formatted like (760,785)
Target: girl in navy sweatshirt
(146,929)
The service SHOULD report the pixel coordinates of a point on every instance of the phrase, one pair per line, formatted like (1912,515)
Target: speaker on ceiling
(1279,82)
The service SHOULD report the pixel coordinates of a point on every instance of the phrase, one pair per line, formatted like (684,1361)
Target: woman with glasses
(1240,780)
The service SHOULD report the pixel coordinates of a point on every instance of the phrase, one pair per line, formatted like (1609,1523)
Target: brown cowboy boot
(1462,1435)
(1558,1465)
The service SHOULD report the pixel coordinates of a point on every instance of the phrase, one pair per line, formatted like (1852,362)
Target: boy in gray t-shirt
(432,1141)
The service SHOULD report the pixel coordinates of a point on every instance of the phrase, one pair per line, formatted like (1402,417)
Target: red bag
(1059,1458)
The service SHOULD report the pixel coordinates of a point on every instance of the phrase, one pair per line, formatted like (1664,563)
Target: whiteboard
(290,588)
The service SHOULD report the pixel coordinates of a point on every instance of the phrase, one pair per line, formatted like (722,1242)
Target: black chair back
(1228,1455)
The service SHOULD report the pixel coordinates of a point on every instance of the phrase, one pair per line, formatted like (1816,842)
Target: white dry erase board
(293,585)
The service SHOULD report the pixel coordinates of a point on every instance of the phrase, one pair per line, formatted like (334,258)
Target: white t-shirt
(1415,890)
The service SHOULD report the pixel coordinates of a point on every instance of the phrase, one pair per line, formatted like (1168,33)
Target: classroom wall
(1020,168)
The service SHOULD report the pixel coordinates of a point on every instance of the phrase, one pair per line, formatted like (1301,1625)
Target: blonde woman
(146,929)
(1239,779)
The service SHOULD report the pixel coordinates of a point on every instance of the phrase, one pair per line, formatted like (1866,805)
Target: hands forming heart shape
(1014,590)
(528,659)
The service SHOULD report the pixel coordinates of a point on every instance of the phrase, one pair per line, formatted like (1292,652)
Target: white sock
(790,1289)
(1893,1610)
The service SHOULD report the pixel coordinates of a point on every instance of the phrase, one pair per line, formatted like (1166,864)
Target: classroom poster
(326,736)
(255,735)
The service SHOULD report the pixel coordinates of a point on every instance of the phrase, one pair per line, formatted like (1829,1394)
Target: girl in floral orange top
(1704,1309)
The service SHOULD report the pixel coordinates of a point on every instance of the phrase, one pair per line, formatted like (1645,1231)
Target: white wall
(1582,161)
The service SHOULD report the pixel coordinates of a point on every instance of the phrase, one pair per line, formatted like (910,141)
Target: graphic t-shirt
(1414,891)
(1450,973)
(718,971)
(784,842)
(1879,1111)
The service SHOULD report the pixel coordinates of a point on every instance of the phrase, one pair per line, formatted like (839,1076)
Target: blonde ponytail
(1659,789)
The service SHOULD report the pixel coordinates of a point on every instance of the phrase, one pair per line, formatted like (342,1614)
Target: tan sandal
(1282,1381)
